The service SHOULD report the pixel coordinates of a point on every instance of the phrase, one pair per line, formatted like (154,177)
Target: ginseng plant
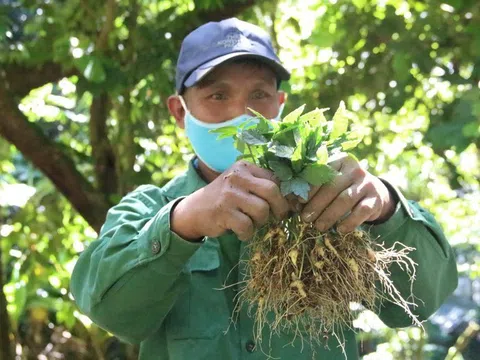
(306,278)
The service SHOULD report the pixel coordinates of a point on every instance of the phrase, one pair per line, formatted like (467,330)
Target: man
(154,275)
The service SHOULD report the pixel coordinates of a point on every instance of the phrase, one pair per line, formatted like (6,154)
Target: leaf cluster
(298,149)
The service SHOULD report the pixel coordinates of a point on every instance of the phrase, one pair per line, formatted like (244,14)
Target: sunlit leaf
(340,122)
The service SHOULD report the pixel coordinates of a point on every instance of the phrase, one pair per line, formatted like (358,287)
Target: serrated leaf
(264,126)
(294,115)
(225,132)
(315,118)
(253,137)
(350,144)
(318,174)
(340,122)
(295,186)
(284,128)
(322,155)
(352,140)
(281,170)
(285,136)
(257,114)
(282,151)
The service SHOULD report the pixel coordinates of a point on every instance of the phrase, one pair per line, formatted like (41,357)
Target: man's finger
(241,225)
(362,212)
(259,172)
(342,204)
(270,192)
(256,208)
(323,197)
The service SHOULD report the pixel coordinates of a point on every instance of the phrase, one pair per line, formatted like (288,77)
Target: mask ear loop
(280,112)
(182,101)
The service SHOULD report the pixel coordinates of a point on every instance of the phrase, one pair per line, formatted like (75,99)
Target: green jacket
(145,284)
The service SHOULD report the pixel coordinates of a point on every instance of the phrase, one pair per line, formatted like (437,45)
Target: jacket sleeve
(436,274)
(129,278)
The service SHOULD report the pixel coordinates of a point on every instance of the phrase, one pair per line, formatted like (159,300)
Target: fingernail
(309,216)
(298,207)
(342,229)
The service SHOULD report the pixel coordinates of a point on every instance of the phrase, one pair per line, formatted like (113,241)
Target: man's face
(229,90)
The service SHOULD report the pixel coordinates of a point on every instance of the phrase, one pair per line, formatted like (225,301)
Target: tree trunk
(5,345)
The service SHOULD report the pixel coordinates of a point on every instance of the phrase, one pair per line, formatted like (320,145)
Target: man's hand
(354,192)
(240,200)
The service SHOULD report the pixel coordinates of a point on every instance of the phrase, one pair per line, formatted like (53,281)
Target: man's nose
(240,107)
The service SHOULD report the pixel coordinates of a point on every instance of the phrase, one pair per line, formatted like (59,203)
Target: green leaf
(285,135)
(318,174)
(225,132)
(248,157)
(240,145)
(281,170)
(297,135)
(297,159)
(253,137)
(322,155)
(315,118)
(258,115)
(340,122)
(295,186)
(294,115)
(94,71)
(311,146)
(353,140)
(282,151)
(264,126)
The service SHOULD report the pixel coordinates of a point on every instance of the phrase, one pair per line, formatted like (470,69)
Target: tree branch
(20,79)
(48,157)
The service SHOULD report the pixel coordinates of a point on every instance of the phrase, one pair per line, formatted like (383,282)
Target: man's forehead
(230,72)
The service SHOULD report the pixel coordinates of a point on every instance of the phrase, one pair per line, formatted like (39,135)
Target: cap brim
(204,69)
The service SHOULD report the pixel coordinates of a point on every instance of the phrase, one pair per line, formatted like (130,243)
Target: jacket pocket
(202,311)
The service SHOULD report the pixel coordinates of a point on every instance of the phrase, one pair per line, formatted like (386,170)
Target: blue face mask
(217,154)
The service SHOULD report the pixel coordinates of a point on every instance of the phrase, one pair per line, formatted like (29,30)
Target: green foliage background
(83,120)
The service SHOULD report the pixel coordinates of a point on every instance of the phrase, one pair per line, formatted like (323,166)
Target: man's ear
(176,110)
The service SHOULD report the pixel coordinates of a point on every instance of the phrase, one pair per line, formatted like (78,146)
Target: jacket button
(155,247)
(250,346)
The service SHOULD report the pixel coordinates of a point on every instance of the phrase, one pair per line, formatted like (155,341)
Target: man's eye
(259,95)
(218,96)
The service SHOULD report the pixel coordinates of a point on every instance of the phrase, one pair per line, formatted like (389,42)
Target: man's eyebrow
(269,79)
(213,82)
(206,82)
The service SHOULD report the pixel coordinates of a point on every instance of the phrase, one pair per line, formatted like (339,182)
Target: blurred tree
(83,86)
